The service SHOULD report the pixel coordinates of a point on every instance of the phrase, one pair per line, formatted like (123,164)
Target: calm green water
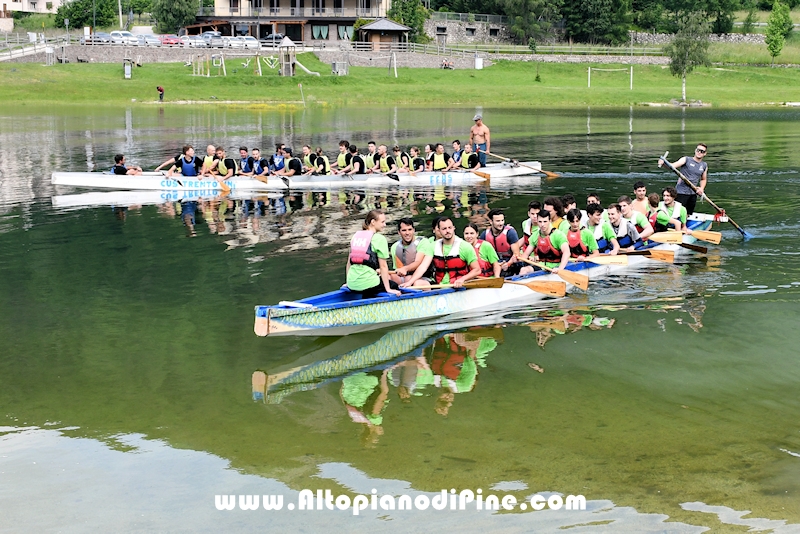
(130,376)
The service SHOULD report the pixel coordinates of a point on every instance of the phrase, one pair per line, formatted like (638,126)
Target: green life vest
(341,160)
(327,168)
(384,165)
(369,161)
(465,160)
(438,162)
(223,170)
(307,160)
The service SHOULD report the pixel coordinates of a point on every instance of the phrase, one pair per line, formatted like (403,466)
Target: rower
(591,198)
(323,166)
(673,208)
(455,161)
(429,157)
(634,217)
(409,252)
(530,227)
(469,161)
(246,162)
(276,161)
(188,163)
(260,166)
(454,260)
(555,208)
(658,218)
(552,246)
(582,243)
(601,230)
(368,252)
(435,230)
(569,202)
(505,241)
(343,159)
(226,167)
(487,256)
(355,164)
(696,171)
(627,236)
(441,159)
(309,160)
(122,169)
(417,162)
(402,159)
(293,165)
(371,159)
(640,203)
(385,163)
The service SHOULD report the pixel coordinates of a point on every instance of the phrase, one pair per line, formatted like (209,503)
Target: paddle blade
(667,237)
(484,175)
(576,279)
(551,289)
(706,235)
(696,248)
(662,255)
(550,174)
(605,259)
(484,283)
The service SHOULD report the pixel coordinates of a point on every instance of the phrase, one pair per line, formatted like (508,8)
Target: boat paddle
(542,171)
(546,287)
(164,173)
(694,188)
(660,255)
(676,238)
(604,259)
(576,279)
(475,283)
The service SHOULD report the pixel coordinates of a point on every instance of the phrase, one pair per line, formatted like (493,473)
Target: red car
(167,40)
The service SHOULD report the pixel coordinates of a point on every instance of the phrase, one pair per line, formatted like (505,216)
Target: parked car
(123,38)
(272,40)
(213,39)
(170,40)
(251,43)
(234,42)
(97,38)
(192,41)
(148,40)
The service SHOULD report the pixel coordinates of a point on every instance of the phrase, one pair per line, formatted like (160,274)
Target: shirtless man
(640,203)
(479,138)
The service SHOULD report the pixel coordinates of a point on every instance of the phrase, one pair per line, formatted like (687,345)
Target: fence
(488,50)
(468,17)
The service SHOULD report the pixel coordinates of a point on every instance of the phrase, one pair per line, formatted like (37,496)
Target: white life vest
(676,209)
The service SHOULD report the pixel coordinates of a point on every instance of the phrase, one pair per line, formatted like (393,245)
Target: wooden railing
(502,49)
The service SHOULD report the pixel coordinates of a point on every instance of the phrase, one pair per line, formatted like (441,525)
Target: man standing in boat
(479,138)
(454,260)
(696,171)
(505,240)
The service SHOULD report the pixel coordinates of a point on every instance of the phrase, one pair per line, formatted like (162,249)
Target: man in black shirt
(356,165)
(293,166)
(121,168)
(384,163)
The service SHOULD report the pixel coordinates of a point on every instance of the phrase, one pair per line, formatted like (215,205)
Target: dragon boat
(160,181)
(343,312)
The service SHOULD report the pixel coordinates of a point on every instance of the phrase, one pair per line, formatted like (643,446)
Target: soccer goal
(589,81)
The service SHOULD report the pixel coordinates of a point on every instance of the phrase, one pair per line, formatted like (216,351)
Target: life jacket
(438,162)
(278,162)
(298,161)
(384,164)
(465,160)
(115,167)
(599,236)
(341,160)
(653,218)
(401,158)
(361,252)
(327,167)
(451,264)
(500,243)
(448,357)
(576,245)
(639,227)
(257,168)
(244,164)
(545,250)
(369,159)
(307,160)
(406,255)
(486,268)
(187,167)
(676,209)
(418,164)
(527,232)
(223,170)
(623,238)
(208,160)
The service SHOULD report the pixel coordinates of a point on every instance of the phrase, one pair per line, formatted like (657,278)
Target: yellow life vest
(327,164)
(307,160)
(465,160)
(369,161)
(384,164)
(438,162)
(223,170)
(207,161)
(341,160)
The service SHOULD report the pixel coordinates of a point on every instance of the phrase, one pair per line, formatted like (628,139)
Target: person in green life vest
(371,158)
(308,159)
(323,166)
(343,159)
(365,396)
(384,164)
(469,160)
(226,167)
(402,159)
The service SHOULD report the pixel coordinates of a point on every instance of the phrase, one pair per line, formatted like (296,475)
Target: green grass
(756,54)
(505,83)
(762,16)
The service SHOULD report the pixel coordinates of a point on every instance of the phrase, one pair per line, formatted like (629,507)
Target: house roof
(384,25)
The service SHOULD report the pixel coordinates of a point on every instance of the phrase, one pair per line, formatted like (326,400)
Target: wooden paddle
(475,283)
(604,259)
(549,288)
(696,248)
(694,188)
(674,238)
(542,171)
(484,175)
(706,235)
(576,279)
(660,255)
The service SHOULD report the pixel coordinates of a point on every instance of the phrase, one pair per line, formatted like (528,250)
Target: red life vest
(527,232)
(576,245)
(451,264)
(486,268)
(545,251)
(500,242)
(361,252)
(448,357)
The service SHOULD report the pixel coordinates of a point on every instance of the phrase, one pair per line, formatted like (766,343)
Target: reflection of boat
(342,312)
(159,181)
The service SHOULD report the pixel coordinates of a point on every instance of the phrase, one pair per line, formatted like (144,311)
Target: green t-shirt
(563,226)
(557,238)
(588,239)
(425,246)
(361,277)
(682,215)
(638,219)
(608,232)
(488,253)
(466,252)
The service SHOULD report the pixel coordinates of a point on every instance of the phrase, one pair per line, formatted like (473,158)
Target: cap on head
(477,117)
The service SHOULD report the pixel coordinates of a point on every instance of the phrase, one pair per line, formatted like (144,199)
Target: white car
(234,42)
(124,38)
(251,43)
(148,40)
(192,41)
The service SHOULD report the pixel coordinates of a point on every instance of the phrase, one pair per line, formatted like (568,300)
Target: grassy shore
(506,83)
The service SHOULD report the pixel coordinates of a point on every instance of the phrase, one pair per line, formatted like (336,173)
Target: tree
(597,21)
(413,14)
(174,14)
(85,12)
(779,24)
(689,48)
(530,18)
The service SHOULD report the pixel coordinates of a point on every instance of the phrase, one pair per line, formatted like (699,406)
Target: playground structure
(202,64)
(288,59)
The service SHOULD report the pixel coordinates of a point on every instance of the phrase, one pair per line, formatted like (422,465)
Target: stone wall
(114,54)
(404,59)
(6,25)
(658,39)
(466,32)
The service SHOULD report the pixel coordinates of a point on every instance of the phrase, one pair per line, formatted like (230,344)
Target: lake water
(133,390)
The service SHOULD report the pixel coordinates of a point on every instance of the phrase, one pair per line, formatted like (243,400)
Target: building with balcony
(300,20)
(31,6)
